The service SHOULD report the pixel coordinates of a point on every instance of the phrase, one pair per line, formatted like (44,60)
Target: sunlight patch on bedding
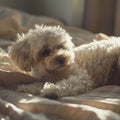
(100,113)
(111,101)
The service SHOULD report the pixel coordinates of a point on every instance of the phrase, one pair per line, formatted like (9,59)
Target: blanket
(102,103)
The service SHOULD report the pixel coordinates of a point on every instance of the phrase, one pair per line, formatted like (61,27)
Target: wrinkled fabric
(102,103)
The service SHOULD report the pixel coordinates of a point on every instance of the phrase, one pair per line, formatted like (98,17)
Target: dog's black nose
(60,60)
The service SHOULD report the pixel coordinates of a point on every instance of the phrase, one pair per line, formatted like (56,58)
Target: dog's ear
(20,54)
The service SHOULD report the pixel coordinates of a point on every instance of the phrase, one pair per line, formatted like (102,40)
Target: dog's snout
(60,60)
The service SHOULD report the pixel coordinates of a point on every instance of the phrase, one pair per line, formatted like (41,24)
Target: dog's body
(52,57)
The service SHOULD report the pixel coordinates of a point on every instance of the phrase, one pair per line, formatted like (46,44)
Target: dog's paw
(49,91)
(34,88)
(50,96)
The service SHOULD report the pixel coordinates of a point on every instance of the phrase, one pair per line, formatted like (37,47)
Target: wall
(100,16)
(117,19)
(69,11)
(16,4)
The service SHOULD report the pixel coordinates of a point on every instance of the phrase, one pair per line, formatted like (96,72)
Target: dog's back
(101,60)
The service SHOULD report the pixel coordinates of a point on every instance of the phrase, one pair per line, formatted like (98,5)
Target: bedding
(102,103)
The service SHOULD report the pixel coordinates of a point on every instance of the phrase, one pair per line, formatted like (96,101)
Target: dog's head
(43,49)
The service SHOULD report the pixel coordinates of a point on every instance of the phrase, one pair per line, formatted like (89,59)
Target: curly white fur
(48,52)
(74,85)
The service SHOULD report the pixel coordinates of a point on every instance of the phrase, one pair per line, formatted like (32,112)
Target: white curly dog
(61,68)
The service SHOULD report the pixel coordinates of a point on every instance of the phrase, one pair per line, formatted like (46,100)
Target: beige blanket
(100,104)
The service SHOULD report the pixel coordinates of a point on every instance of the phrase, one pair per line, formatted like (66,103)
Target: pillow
(13,22)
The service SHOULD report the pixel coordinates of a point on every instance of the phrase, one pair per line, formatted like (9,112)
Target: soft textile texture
(100,104)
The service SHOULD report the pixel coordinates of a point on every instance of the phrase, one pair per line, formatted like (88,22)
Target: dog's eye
(45,52)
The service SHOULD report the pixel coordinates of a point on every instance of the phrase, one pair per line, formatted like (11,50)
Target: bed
(102,103)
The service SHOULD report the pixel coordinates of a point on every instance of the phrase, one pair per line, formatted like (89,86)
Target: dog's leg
(115,74)
(101,36)
(34,88)
(74,85)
